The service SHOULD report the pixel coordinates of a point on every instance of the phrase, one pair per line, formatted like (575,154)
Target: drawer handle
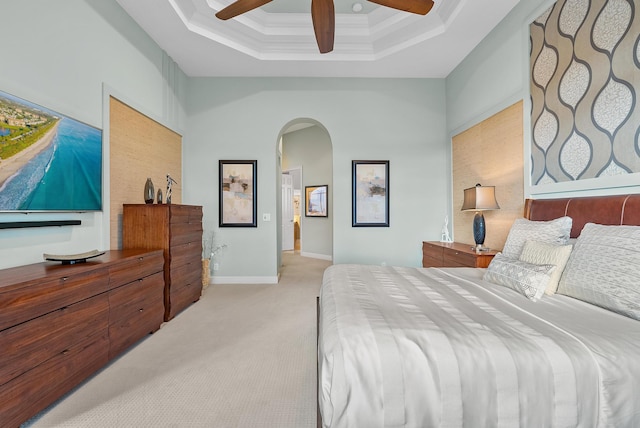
(64,278)
(140,259)
(65,352)
(140,310)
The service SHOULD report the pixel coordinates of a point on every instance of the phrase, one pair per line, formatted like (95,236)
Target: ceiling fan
(323,15)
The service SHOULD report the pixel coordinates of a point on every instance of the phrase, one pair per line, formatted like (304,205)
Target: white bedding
(442,348)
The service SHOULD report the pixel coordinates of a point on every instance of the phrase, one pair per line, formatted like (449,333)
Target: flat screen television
(48,161)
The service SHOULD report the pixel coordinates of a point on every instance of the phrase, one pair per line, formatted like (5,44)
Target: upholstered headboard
(617,209)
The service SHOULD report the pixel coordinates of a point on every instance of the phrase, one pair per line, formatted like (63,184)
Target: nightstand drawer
(431,262)
(432,251)
(456,258)
(454,254)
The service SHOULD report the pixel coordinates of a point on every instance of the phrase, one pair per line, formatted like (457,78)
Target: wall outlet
(216,266)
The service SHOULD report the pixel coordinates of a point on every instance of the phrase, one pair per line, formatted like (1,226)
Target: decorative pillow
(526,278)
(541,253)
(604,268)
(551,232)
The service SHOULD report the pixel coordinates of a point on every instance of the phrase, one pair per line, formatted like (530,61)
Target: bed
(455,347)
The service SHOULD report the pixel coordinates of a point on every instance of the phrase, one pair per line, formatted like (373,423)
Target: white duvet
(409,347)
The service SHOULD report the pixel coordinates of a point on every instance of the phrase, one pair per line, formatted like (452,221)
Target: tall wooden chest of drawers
(61,323)
(177,229)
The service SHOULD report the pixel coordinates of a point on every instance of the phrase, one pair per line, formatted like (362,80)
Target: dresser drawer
(135,268)
(19,305)
(182,233)
(31,343)
(36,389)
(138,309)
(185,214)
(186,273)
(183,296)
(186,288)
(190,252)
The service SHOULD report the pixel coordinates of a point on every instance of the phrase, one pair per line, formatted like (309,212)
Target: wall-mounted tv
(48,161)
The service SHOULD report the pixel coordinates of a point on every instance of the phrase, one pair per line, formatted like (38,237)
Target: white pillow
(526,278)
(604,268)
(541,253)
(551,232)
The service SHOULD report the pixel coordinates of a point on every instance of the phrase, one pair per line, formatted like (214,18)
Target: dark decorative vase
(149,192)
(159,198)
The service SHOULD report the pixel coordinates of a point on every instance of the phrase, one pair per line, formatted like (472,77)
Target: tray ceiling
(278,40)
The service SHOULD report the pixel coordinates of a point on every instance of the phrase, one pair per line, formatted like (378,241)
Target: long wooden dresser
(61,323)
(177,229)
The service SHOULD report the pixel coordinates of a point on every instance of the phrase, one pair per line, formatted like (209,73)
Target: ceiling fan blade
(239,7)
(421,7)
(324,23)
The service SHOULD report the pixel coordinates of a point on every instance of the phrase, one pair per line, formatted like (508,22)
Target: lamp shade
(480,198)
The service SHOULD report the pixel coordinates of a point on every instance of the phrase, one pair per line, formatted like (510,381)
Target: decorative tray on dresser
(454,254)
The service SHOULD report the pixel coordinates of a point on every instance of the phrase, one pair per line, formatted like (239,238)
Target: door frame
(299,184)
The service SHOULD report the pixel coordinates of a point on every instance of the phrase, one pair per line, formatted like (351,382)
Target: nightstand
(454,254)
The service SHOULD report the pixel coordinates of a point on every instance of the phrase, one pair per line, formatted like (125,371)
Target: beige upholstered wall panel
(139,148)
(490,153)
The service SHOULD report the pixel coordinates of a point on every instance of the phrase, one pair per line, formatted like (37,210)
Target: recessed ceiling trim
(181,29)
(283,36)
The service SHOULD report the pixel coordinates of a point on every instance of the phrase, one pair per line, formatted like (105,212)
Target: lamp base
(478,229)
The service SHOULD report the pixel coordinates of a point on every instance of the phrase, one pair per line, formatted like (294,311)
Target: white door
(287,212)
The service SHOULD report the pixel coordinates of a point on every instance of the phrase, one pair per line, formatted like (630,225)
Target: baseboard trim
(243,280)
(316,256)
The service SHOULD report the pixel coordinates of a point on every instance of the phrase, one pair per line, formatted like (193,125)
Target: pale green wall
(310,148)
(400,120)
(493,76)
(61,54)
(65,55)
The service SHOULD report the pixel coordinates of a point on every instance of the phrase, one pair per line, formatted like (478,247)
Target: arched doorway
(305,151)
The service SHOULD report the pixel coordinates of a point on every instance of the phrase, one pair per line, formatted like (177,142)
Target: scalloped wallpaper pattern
(585,79)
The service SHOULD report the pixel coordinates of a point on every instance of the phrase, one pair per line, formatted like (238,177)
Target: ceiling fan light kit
(323,14)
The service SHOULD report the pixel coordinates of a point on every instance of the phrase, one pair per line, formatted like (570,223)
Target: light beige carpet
(243,356)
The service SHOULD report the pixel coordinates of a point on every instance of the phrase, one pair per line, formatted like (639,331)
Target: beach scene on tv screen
(48,162)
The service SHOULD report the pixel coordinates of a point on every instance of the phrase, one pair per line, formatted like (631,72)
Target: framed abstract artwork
(316,201)
(370,193)
(237,193)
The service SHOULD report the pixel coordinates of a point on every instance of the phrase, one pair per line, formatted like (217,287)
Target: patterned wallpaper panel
(585,81)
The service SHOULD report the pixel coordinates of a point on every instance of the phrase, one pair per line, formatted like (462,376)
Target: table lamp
(479,199)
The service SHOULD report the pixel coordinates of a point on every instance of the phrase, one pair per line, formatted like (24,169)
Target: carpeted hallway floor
(243,356)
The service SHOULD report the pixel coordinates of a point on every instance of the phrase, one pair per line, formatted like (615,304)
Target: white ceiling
(278,39)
